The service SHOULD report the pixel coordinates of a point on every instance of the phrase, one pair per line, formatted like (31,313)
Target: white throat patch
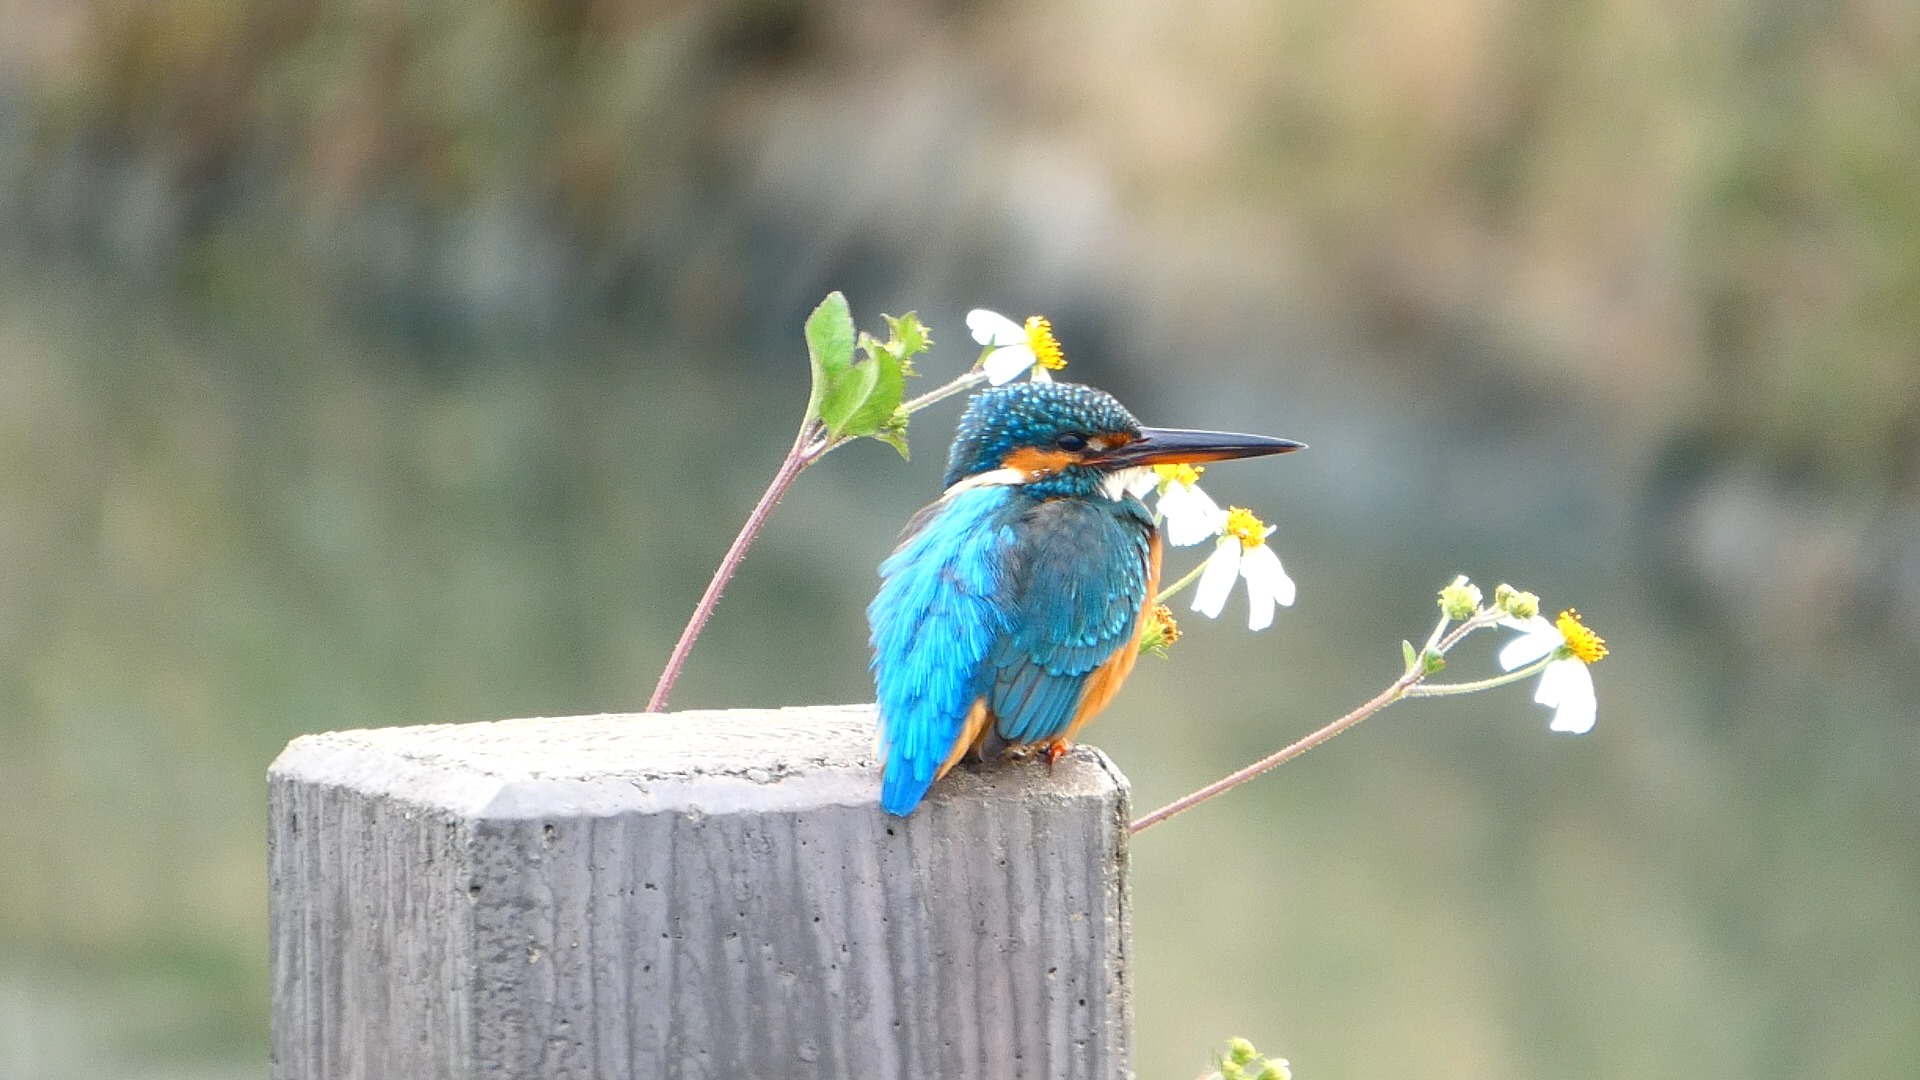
(1116,484)
(990,478)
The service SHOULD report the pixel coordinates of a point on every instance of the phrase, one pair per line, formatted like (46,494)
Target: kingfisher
(1012,609)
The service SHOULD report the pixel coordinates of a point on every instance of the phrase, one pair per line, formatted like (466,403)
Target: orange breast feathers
(1104,681)
(973,731)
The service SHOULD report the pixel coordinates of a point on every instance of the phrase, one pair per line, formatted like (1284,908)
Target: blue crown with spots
(1005,418)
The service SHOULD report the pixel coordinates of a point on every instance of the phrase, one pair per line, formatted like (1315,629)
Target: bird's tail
(902,786)
(907,775)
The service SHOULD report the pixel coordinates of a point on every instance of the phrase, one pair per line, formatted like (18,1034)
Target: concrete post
(700,894)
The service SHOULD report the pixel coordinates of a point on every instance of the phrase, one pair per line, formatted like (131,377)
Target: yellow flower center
(1251,530)
(1184,475)
(1585,645)
(1046,348)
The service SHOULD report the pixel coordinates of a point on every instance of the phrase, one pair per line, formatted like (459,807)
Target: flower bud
(1460,599)
(1516,602)
(1241,1052)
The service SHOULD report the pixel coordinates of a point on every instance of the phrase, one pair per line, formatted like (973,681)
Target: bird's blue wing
(939,614)
(1082,571)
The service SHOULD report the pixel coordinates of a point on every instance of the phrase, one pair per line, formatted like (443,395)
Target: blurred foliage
(1705,215)
(418,373)
(1698,221)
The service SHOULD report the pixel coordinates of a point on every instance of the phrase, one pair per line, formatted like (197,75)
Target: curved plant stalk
(791,466)
(814,442)
(1411,683)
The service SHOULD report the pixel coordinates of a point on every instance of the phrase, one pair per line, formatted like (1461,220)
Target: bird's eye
(1072,444)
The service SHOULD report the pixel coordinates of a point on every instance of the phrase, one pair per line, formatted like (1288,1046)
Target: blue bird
(1011,611)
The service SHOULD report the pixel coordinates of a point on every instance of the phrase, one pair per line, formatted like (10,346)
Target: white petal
(1040,374)
(993,328)
(1191,515)
(1567,688)
(1005,364)
(1216,581)
(1552,688)
(1267,585)
(1141,482)
(1540,638)
(1259,602)
(1263,564)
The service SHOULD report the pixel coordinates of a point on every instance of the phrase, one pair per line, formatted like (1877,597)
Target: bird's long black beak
(1170,446)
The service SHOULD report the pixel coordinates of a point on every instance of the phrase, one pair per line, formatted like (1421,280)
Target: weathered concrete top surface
(719,761)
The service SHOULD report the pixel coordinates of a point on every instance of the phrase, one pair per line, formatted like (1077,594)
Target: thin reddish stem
(1399,689)
(802,455)
(812,444)
(1186,802)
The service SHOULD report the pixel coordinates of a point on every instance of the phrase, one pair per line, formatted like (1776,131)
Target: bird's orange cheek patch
(1037,461)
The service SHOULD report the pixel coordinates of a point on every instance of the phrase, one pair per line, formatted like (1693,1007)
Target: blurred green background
(376,363)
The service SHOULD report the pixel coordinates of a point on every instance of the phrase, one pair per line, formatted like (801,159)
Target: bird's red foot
(1056,751)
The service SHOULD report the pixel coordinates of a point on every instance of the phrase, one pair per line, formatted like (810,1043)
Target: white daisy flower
(1016,349)
(1243,554)
(1188,515)
(1566,686)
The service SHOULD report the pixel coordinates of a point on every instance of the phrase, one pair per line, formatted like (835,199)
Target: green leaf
(847,391)
(894,431)
(1432,662)
(910,338)
(889,387)
(829,349)
(1408,653)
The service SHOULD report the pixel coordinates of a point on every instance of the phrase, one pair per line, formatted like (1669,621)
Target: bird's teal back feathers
(1006,595)
(1082,582)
